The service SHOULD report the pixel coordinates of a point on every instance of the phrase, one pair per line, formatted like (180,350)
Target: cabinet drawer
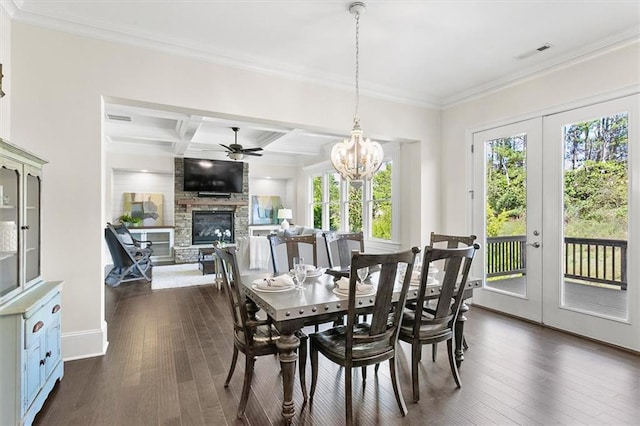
(45,316)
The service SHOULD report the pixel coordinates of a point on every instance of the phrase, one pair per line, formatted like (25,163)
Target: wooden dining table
(291,309)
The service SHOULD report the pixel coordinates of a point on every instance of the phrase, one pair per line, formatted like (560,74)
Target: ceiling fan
(235,151)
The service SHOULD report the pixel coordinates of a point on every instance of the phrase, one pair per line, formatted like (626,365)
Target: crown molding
(131,36)
(20,12)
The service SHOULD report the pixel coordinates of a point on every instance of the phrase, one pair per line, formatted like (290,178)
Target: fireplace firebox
(210,226)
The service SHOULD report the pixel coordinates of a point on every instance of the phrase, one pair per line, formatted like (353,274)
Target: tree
(381,207)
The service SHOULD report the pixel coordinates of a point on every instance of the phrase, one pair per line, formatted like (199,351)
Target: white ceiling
(432,53)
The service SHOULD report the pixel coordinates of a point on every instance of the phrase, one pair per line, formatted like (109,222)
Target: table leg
(288,345)
(459,333)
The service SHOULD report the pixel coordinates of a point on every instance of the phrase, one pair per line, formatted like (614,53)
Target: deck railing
(595,260)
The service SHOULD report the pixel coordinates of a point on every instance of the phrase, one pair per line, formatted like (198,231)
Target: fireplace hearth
(210,226)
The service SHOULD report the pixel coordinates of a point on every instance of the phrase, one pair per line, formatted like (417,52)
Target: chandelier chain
(356,118)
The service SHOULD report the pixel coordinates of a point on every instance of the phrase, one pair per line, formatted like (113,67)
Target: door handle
(535,245)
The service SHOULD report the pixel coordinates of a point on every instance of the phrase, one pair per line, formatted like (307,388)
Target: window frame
(325,169)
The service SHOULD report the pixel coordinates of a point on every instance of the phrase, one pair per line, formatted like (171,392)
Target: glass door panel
(506,221)
(595,180)
(9,225)
(32,228)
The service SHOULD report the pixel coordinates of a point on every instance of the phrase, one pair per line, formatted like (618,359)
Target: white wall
(279,187)
(148,183)
(5,60)
(571,86)
(61,79)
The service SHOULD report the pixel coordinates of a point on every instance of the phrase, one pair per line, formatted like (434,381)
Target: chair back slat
(292,246)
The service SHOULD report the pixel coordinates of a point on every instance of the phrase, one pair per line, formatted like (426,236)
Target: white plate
(345,292)
(430,281)
(271,289)
(316,273)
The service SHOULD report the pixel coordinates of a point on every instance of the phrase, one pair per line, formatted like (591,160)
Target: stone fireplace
(188,207)
(210,226)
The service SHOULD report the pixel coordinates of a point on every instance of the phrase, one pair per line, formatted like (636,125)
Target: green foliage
(317,201)
(381,209)
(495,221)
(595,180)
(127,218)
(381,224)
(355,208)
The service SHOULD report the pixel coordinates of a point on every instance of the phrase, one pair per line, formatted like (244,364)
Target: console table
(208,263)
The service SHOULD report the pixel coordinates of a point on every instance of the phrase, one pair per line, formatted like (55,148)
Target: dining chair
(359,344)
(424,325)
(340,245)
(450,241)
(285,248)
(251,336)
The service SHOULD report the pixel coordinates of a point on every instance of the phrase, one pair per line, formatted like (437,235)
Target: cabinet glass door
(9,224)
(32,227)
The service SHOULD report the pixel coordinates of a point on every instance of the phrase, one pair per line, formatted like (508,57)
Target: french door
(508,214)
(554,199)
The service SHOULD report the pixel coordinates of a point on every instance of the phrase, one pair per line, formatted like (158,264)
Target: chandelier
(357,158)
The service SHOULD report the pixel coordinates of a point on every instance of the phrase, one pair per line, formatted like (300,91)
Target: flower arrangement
(223,236)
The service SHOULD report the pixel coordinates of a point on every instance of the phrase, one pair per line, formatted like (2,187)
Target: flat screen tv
(213,176)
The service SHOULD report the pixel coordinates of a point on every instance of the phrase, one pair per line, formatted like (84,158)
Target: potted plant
(127,220)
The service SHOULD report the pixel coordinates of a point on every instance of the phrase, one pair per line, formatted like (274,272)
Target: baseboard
(85,344)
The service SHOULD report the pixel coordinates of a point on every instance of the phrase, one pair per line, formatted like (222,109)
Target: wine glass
(363,273)
(300,271)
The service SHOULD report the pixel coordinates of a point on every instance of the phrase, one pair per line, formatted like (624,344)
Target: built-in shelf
(7,254)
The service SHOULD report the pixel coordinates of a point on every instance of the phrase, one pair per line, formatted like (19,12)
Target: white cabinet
(161,239)
(30,308)
(30,353)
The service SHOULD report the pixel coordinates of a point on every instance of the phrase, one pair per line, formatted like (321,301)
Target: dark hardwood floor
(169,352)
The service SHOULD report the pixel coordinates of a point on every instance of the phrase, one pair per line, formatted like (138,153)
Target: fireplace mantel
(189,203)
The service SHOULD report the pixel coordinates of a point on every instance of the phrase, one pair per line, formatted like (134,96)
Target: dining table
(318,302)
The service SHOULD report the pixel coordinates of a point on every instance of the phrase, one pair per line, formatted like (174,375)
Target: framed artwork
(148,207)
(264,209)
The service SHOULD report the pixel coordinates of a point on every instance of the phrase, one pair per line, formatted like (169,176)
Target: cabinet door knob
(38,326)
(48,354)
(42,362)
(55,309)
(24,227)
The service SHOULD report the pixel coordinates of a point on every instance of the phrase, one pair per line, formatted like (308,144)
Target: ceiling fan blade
(252,153)
(227,147)
(251,149)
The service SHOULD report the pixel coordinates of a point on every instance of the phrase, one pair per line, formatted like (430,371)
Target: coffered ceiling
(431,53)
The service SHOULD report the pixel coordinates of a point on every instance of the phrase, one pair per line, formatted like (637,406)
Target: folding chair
(127,265)
(135,246)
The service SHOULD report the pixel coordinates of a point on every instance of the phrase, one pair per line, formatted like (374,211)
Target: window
(381,203)
(337,206)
